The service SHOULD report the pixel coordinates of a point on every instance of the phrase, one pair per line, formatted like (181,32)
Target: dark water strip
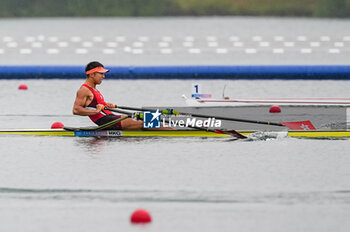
(127,195)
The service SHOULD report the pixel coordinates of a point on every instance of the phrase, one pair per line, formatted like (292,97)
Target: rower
(89,96)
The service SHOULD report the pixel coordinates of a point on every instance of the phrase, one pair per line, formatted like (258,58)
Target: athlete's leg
(131,124)
(126,124)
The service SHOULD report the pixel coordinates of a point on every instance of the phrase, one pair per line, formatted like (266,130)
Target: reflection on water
(91,145)
(95,145)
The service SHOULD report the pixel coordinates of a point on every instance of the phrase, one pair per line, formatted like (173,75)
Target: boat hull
(177,133)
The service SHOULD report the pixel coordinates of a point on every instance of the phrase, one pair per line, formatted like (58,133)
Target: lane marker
(264,44)
(166,51)
(37,45)
(52,51)
(41,37)
(346,38)
(289,44)
(278,38)
(238,44)
(12,44)
(339,44)
(167,39)
(81,51)
(306,50)
(111,44)
(315,44)
(62,44)
(7,39)
(127,49)
(53,39)
(144,38)
(234,38)
(163,44)
(87,44)
(325,38)
(212,44)
(25,51)
(278,50)
(29,39)
(137,44)
(211,38)
(189,38)
(108,51)
(137,51)
(221,50)
(187,44)
(97,38)
(257,38)
(334,50)
(194,50)
(75,39)
(120,39)
(250,51)
(301,38)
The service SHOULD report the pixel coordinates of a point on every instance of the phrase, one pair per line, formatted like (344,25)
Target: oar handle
(134,115)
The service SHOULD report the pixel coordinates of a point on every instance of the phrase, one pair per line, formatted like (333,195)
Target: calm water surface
(91,184)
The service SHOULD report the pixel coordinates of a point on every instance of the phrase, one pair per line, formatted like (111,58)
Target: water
(88,184)
(91,184)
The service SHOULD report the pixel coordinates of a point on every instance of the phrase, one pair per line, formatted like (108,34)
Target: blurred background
(137,8)
(175,32)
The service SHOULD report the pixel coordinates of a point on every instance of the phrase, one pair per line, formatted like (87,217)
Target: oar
(291,125)
(233,133)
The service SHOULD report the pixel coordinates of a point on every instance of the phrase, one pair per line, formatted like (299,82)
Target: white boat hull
(269,101)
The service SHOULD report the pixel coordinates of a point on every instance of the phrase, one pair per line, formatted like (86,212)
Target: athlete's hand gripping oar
(301,125)
(232,133)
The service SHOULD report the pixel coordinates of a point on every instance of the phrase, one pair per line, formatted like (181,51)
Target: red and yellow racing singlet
(98,99)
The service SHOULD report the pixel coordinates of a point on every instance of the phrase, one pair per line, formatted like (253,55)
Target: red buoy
(140,216)
(57,125)
(275,109)
(22,87)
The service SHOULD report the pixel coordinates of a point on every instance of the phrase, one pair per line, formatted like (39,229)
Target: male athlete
(89,96)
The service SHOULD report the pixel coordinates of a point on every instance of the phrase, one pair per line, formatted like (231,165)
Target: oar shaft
(232,132)
(208,116)
(238,120)
(119,111)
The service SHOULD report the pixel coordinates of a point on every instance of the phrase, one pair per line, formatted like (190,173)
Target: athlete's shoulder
(84,90)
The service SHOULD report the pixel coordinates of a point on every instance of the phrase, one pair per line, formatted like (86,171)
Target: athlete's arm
(81,102)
